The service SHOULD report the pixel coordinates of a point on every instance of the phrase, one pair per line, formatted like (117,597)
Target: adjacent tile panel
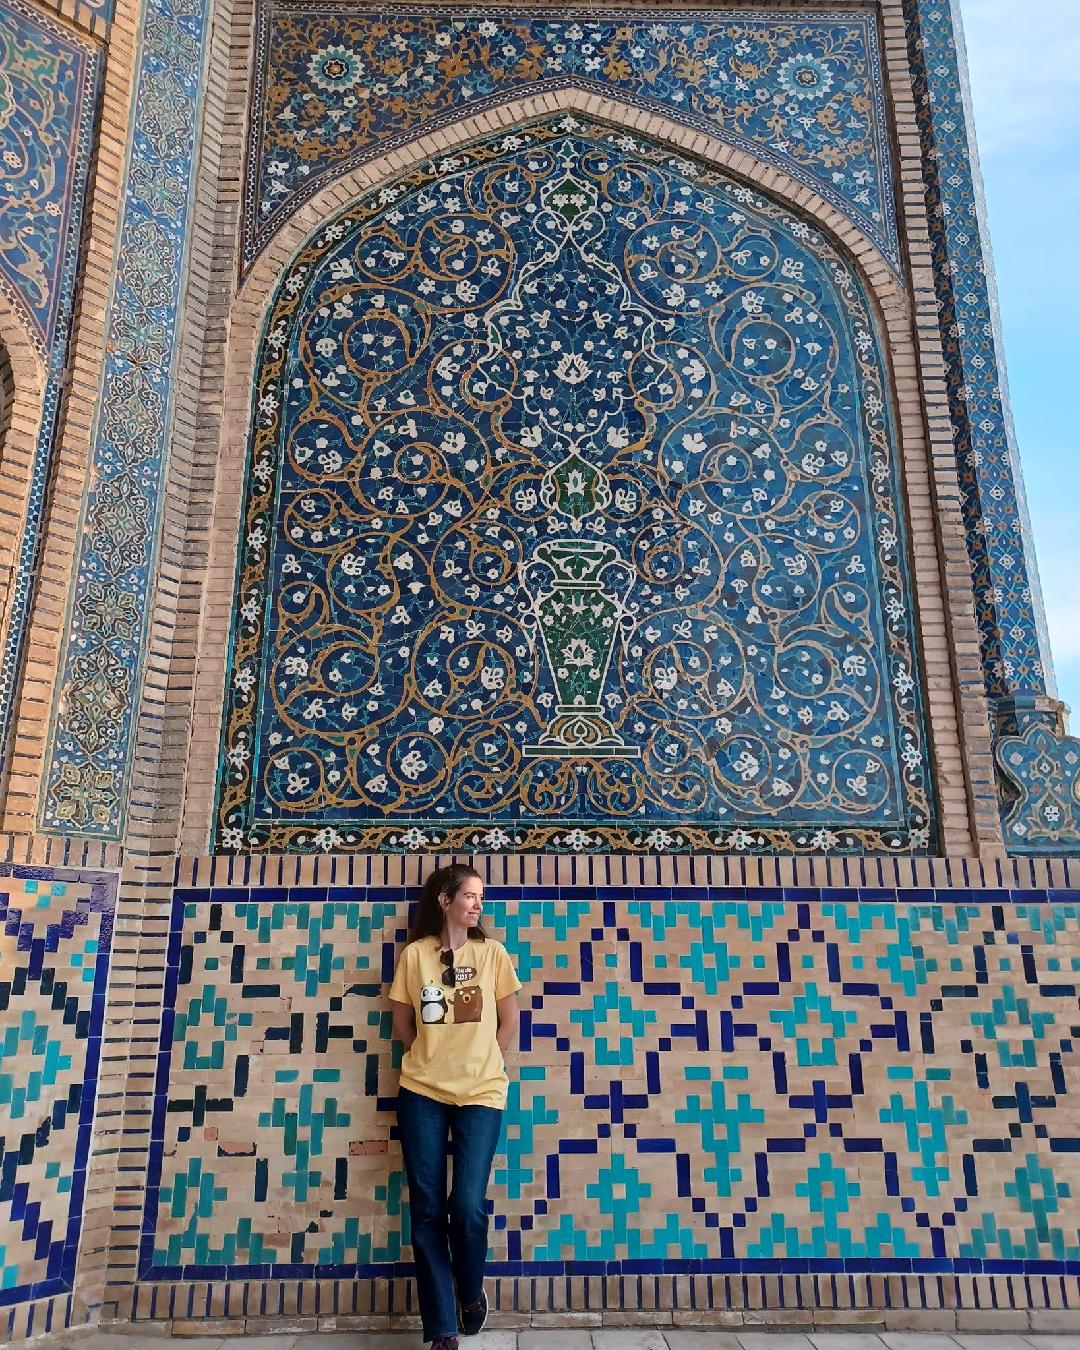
(55,937)
(819,1084)
(49,94)
(87,770)
(335,84)
(47,82)
(572,522)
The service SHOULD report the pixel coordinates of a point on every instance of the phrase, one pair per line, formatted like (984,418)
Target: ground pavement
(570,1338)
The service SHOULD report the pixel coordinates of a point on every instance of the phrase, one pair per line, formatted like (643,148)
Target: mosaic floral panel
(335,85)
(47,82)
(571,523)
(92,730)
(55,935)
(730,1083)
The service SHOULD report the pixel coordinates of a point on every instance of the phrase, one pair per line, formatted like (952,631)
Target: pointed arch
(254,298)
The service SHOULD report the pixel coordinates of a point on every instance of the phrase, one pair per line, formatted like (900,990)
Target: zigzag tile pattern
(709,1082)
(55,937)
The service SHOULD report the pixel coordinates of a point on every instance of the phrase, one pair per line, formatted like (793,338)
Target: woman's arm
(507,1009)
(404,1023)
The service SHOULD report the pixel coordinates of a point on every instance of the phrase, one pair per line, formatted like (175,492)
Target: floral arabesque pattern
(564,371)
(48,100)
(47,83)
(1012,633)
(335,85)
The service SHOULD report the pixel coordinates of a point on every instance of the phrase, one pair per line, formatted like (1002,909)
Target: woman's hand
(404,1025)
(507,1009)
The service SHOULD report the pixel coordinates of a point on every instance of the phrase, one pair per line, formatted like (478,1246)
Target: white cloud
(1025,72)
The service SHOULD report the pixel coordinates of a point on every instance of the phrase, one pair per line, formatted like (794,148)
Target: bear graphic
(432,1004)
(468,1003)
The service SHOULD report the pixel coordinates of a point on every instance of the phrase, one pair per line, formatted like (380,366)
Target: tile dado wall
(797,1084)
(867,1094)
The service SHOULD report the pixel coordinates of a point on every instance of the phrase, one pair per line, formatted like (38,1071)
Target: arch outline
(256,295)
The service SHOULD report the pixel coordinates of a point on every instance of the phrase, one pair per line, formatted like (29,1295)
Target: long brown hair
(428,919)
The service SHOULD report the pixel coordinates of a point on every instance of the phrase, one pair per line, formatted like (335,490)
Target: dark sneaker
(444,1343)
(473,1316)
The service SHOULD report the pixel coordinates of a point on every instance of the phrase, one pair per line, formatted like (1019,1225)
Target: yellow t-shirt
(455,1057)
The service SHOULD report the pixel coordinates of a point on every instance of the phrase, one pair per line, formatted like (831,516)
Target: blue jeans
(449,1237)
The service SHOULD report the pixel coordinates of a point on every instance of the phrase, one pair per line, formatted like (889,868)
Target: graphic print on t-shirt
(469,1004)
(432,1004)
(462,1067)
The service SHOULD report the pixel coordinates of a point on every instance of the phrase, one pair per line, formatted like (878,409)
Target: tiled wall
(55,937)
(785,1097)
(598,546)
(90,731)
(51,84)
(813,1097)
(333,88)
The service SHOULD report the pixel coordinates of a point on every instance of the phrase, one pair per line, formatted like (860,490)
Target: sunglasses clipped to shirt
(449,978)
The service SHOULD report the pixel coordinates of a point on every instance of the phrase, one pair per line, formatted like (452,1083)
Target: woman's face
(466,906)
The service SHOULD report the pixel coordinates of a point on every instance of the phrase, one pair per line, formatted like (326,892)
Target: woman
(454,999)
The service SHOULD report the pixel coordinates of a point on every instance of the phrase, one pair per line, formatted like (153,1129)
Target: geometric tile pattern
(335,85)
(709,1080)
(55,934)
(572,522)
(92,729)
(48,104)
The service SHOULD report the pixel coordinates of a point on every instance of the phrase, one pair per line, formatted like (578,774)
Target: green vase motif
(578,613)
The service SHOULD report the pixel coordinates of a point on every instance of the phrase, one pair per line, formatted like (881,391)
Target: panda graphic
(432,1004)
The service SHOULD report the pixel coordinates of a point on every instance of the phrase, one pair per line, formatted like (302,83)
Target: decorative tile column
(1039,765)
(93,733)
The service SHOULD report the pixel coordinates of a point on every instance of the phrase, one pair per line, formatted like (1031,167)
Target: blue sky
(1025,79)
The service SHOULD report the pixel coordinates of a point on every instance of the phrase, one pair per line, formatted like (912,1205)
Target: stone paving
(574,1338)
